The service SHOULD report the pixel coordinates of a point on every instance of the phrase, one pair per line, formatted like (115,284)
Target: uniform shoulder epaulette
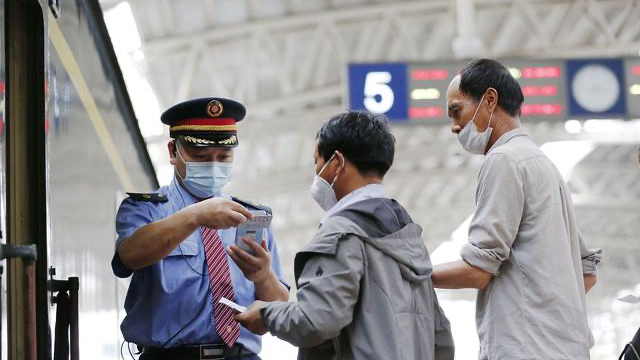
(252,206)
(151,197)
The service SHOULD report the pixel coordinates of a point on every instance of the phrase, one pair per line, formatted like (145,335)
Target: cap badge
(214,108)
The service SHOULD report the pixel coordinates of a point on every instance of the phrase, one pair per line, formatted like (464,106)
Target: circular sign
(596,88)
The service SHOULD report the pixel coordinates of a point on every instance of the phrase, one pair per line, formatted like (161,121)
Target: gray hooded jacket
(364,291)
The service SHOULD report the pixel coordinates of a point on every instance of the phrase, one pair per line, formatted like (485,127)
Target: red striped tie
(220,286)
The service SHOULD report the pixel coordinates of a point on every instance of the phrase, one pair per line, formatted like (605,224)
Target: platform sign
(632,87)
(553,89)
(543,86)
(379,88)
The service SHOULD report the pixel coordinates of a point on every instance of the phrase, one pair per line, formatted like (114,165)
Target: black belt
(199,352)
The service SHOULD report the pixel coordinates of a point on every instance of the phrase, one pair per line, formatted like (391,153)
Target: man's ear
(173,156)
(492,98)
(341,162)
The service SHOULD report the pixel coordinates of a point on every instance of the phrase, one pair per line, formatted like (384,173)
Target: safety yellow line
(73,69)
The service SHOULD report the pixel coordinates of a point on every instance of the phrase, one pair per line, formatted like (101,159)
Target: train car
(70,148)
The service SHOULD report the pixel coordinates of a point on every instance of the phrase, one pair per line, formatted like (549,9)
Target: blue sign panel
(596,88)
(379,88)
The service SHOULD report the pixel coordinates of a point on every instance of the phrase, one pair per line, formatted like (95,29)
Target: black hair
(479,75)
(362,137)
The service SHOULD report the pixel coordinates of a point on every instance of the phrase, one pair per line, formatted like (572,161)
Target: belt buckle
(211,352)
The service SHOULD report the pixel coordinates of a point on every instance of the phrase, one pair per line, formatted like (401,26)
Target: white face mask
(322,192)
(473,141)
(205,179)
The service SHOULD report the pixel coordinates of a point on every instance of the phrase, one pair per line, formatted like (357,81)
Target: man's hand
(219,213)
(256,268)
(589,281)
(252,320)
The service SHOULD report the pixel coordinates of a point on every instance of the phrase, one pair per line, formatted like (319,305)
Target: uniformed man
(177,242)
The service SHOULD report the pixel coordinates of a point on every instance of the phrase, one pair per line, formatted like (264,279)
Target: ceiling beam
(176,42)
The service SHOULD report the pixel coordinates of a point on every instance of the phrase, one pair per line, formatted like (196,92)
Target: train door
(23,179)
(94,153)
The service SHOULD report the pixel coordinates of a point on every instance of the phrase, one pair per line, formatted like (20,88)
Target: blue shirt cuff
(118,267)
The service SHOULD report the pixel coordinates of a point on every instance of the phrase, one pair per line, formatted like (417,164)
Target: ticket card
(231,304)
(254,229)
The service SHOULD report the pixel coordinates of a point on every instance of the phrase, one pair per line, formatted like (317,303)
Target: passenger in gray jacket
(364,281)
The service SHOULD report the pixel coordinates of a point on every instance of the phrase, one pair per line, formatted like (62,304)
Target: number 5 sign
(379,88)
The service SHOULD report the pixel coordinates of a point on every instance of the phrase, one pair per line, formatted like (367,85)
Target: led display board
(632,86)
(428,85)
(553,89)
(543,86)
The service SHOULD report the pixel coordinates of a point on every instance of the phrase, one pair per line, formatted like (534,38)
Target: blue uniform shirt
(169,303)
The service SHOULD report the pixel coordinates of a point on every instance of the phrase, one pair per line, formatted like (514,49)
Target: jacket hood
(384,224)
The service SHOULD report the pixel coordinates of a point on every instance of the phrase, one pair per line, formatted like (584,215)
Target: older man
(524,251)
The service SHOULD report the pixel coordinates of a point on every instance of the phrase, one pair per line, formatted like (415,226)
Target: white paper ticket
(231,304)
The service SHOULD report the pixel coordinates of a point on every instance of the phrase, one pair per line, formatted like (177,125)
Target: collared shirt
(524,233)
(169,303)
(363,193)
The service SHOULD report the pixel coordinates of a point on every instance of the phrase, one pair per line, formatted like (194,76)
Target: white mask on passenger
(473,141)
(322,192)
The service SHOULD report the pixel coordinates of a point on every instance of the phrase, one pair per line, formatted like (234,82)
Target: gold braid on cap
(230,141)
(191,139)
